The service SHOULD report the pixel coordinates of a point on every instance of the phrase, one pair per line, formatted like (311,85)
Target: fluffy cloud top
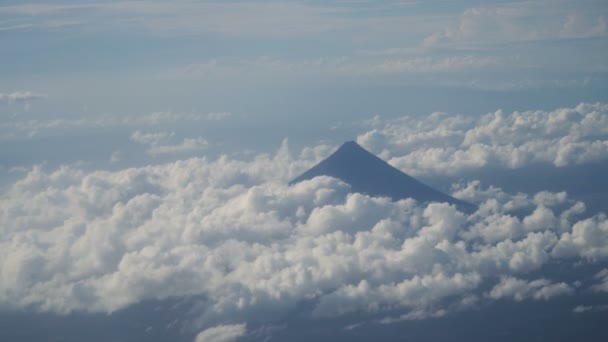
(235,233)
(450,144)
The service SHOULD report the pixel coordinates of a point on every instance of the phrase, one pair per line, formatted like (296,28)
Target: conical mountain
(368,174)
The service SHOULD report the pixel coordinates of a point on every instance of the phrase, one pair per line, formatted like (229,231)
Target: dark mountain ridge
(368,174)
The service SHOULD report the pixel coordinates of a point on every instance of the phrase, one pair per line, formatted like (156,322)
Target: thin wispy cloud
(21,128)
(159,143)
(519,22)
(19,97)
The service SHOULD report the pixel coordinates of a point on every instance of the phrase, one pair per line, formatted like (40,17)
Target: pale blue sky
(294,69)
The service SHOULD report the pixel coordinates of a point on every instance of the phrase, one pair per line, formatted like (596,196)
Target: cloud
(19,97)
(578,26)
(234,233)
(602,276)
(519,289)
(151,138)
(341,66)
(217,116)
(33,127)
(115,157)
(451,144)
(51,24)
(264,18)
(520,22)
(160,143)
(581,309)
(419,291)
(589,308)
(188,145)
(222,333)
(428,64)
(587,238)
(157,118)
(414,315)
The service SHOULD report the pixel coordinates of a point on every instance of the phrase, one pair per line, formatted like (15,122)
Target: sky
(146,149)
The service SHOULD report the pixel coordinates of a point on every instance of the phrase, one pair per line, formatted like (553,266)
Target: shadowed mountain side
(368,174)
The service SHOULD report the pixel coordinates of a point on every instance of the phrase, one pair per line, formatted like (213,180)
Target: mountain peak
(351,144)
(352,148)
(368,174)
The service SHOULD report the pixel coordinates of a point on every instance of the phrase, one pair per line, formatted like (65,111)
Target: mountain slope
(368,174)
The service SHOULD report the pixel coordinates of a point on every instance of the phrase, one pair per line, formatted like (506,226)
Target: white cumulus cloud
(234,233)
(450,144)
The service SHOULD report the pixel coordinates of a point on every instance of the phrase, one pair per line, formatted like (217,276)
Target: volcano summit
(370,175)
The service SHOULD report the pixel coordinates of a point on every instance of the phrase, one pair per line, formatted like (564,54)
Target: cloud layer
(234,233)
(451,144)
